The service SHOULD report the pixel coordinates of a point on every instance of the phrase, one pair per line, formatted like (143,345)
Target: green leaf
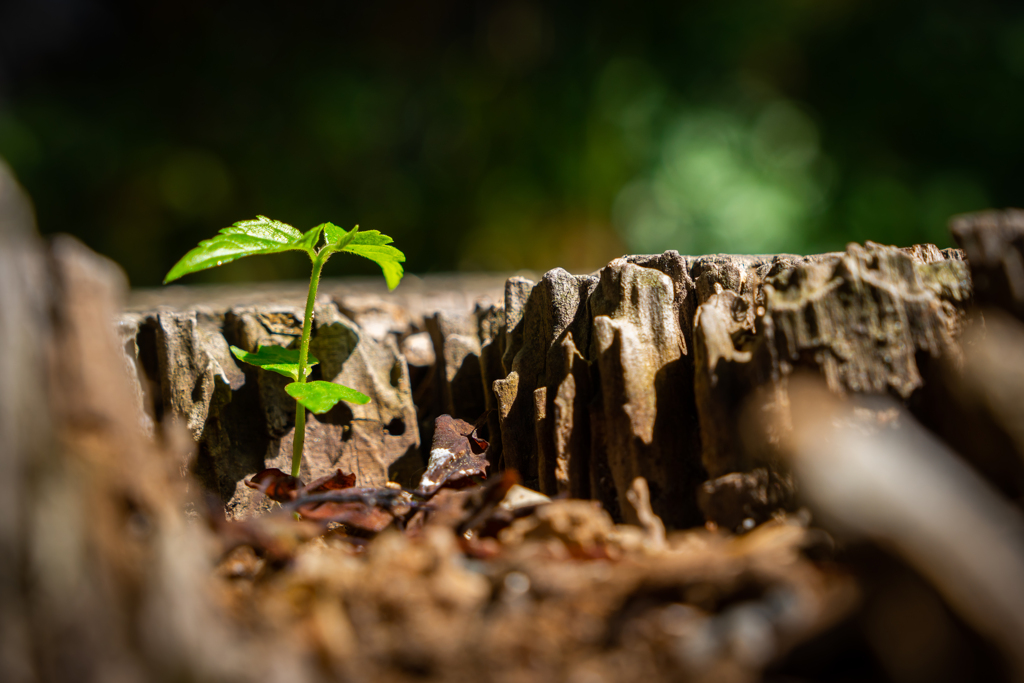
(372,237)
(375,246)
(334,233)
(320,396)
(276,359)
(310,239)
(369,244)
(388,258)
(261,235)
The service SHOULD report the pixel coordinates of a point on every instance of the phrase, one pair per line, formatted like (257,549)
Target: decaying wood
(977,405)
(101,576)
(587,381)
(241,418)
(643,369)
(950,524)
(993,242)
(105,578)
(864,320)
(671,390)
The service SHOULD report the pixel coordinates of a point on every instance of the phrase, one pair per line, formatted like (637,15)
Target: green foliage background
(499,136)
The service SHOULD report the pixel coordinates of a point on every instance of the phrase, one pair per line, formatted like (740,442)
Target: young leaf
(309,239)
(320,396)
(334,233)
(376,247)
(276,359)
(369,244)
(261,235)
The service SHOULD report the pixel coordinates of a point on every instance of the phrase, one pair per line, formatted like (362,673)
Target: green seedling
(266,236)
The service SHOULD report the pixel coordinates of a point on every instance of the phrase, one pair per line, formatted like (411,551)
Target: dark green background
(499,136)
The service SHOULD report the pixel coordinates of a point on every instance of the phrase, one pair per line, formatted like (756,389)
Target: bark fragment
(977,405)
(537,317)
(993,242)
(863,319)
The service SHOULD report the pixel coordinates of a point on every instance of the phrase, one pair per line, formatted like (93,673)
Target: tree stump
(588,381)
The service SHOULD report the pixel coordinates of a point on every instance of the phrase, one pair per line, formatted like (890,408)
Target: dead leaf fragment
(457,455)
(333,482)
(275,484)
(364,508)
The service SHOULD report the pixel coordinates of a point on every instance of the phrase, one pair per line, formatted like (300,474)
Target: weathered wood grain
(643,368)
